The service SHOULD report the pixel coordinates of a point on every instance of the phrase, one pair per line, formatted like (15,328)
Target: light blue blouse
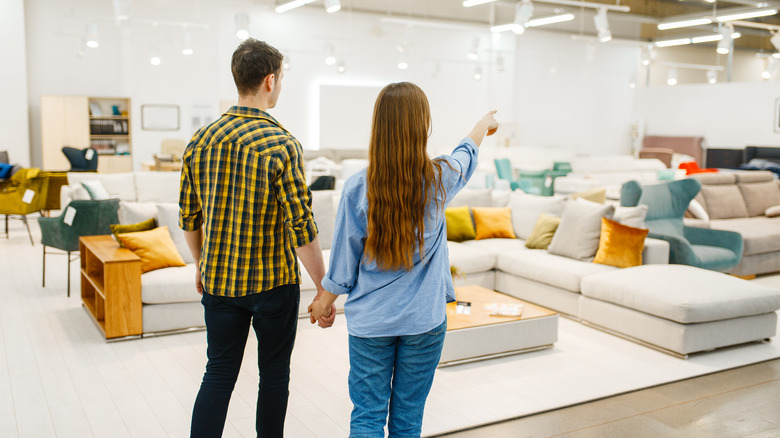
(395,303)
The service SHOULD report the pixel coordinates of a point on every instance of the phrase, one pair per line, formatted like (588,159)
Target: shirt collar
(245,111)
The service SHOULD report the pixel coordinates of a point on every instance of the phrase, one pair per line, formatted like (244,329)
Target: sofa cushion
(760,235)
(146,225)
(134,212)
(460,226)
(681,293)
(118,185)
(95,189)
(620,245)
(169,285)
(527,208)
(168,216)
(306,281)
(773,211)
(492,222)
(578,234)
(631,216)
(759,196)
(154,247)
(470,259)
(543,267)
(543,232)
(472,198)
(157,186)
(497,246)
(724,201)
(323,206)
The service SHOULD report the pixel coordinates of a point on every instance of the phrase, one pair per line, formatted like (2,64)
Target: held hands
(322,312)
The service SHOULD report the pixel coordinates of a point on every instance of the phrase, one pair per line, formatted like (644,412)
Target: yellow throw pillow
(543,232)
(459,224)
(620,245)
(493,222)
(594,195)
(146,225)
(154,247)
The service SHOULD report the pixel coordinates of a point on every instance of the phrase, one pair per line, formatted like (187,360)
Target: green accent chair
(504,171)
(22,194)
(716,250)
(91,218)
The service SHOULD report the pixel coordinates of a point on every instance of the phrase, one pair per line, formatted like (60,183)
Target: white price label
(70,213)
(90,153)
(28,196)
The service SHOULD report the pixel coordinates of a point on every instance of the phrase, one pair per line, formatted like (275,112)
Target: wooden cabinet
(111,286)
(102,123)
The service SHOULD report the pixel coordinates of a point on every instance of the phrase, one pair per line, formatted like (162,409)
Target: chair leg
(6,227)
(43,274)
(29,233)
(68,273)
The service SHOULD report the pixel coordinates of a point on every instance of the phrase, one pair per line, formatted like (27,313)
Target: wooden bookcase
(111,286)
(83,121)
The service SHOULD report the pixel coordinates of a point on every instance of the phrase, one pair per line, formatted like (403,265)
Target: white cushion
(527,208)
(134,212)
(118,185)
(497,246)
(469,259)
(157,186)
(472,198)
(169,285)
(168,215)
(95,190)
(682,293)
(324,208)
(543,267)
(698,211)
(631,216)
(578,234)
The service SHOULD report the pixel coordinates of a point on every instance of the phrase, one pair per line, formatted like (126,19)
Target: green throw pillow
(146,225)
(543,232)
(459,224)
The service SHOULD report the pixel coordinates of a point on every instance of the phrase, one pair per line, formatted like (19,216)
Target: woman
(390,256)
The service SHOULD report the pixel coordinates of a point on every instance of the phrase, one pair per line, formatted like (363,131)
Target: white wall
(726,115)
(14,125)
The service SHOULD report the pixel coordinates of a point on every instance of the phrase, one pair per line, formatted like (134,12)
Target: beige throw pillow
(527,208)
(577,236)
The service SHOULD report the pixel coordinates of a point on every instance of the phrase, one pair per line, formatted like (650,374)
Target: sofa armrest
(698,223)
(680,250)
(656,252)
(721,238)
(66,195)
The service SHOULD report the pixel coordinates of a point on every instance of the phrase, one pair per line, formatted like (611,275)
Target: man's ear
(269,82)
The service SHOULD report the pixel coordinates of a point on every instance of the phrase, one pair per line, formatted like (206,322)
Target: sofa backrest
(727,195)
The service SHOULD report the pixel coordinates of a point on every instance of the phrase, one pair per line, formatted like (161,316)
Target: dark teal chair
(716,250)
(92,218)
(504,171)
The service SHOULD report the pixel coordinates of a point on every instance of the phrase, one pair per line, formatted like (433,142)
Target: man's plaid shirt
(243,180)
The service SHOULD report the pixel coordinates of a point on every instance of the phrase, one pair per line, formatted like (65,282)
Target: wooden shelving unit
(111,286)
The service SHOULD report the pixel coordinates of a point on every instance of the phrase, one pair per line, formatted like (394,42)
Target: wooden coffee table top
(479,296)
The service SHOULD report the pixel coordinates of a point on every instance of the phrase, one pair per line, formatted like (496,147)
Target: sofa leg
(745,277)
(68,273)
(43,274)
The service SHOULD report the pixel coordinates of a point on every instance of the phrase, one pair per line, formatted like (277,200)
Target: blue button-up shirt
(397,302)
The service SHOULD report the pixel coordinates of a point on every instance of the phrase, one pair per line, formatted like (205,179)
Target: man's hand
(323,311)
(198,281)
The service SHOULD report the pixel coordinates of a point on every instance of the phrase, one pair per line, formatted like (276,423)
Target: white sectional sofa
(607,172)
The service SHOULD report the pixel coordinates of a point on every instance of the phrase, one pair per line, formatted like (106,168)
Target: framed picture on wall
(777,115)
(160,117)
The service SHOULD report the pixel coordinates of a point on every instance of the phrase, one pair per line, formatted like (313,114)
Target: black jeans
(274,316)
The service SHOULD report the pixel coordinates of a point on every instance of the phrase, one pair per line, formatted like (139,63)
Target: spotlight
(712,76)
(602,25)
(341,67)
(332,6)
(402,64)
(771,63)
(121,10)
(286,62)
(523,12)
(186,48)
(242,26)
(291,5)
(724,45)
(93,39)
(330,57)
(154,56)
(775,40)
(671,76)
(478,73)
(473,52)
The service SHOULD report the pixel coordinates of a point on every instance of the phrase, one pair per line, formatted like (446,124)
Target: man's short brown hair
(252,61)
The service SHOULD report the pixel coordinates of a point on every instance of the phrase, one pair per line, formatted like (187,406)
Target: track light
(154,56)
(121,10)
(775,40)
(523,13)
(602,25)
(771,63)
(684,23)
(286,62)
(712,76)
(724,45)
(341,67)
(473,55)
(646,56)
(93,39)
(186,48)
(242,26)
(671,76)
(332,6)
(747,14)
(470,3)
(402,64)
(330,56)
(291,5)
(478,73)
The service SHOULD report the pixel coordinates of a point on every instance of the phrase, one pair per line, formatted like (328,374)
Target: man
(246,212)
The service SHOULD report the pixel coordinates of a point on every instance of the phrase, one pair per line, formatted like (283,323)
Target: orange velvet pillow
(620,245)
(493,222)
(155,248)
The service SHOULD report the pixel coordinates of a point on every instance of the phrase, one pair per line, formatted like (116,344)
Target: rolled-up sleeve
(464,161)
(294,195)
(346,252)
(190,212)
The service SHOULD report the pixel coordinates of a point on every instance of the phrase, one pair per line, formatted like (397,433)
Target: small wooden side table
(111,286)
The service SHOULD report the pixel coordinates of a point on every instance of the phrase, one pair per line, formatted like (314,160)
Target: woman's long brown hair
(400,176)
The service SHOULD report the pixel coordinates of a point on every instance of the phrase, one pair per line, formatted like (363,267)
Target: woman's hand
(491,125)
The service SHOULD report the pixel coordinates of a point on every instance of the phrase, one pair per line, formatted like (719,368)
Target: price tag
(90,153)
(70,213)
(28,196)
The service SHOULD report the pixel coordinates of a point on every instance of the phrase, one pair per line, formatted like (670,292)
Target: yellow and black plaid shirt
(242,179)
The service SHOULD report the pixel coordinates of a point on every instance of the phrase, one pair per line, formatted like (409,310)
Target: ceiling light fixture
(771,63)
(726,41)
(541,21)
(242,25)
(671,76)
(332,6)
(747,14)
(684,23)
(478,73)
(121,10)
(470,3)
(341,67)
(330,57)
(775,40)
(670,43)
(291,5)
(186,48)
(712,76)
(473,52)
(713,38)
(602,25)
(523,13)
(286,62)
(402,64)
(93,39)
(154,56)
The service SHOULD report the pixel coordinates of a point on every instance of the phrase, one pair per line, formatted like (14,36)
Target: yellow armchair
(22,194)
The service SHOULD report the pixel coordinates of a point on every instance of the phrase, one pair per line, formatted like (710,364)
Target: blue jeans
(274,316)
(394,371)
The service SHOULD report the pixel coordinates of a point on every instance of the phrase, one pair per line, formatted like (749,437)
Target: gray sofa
(737,201)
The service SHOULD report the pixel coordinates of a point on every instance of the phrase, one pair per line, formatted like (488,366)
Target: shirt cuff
(191,222)
(304,233)
(332,287)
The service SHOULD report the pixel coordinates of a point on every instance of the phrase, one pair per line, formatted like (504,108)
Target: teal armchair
(91,218)
(504,171)
(716,250)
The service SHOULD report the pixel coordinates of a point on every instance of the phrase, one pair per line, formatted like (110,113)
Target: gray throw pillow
(168,215)
(526,210)
(631,216)
(578,234)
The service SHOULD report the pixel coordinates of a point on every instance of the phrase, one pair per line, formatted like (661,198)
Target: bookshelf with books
(102,123)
